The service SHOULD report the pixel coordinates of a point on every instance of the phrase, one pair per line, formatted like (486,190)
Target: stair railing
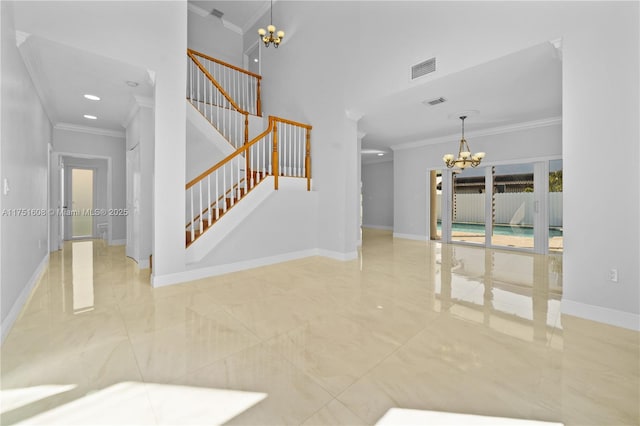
(242,86)
(208,96)
(283,149)
(292,144)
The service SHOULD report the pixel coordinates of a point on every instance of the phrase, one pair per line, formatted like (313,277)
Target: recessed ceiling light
(92,97)
(255,60)
(380,154)
(90,117)
(132,83)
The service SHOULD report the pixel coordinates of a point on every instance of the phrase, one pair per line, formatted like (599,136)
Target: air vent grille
(423,68)
(435,101)
(217,13)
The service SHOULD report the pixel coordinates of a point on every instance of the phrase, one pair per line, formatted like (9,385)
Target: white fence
(516,208)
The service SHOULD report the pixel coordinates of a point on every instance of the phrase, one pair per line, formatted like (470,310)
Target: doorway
(80,205)
(515,205)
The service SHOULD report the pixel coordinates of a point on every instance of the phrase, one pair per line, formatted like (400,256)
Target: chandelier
(268,39)
(465,157)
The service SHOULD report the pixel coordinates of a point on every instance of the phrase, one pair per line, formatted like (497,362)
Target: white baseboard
(118,242)
(384,228)
(605,315)
(211,271)
(337,255)
(410,236)
(23,298)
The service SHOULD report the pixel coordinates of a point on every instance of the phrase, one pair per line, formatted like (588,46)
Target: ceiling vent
(217,13)
(433,102)
(423,68)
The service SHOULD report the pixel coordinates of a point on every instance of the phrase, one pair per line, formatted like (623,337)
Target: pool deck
(555,243)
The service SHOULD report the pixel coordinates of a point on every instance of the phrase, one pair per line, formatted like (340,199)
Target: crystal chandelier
(465,157)
(268,39)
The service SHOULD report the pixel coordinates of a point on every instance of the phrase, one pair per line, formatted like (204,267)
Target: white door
(133,203)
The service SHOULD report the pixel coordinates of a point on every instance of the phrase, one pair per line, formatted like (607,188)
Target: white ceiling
(63,75)
(242,14)
(524,86)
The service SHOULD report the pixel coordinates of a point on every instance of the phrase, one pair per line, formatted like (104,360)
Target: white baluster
(200,210)
(239,178)
(209,198)
(224,187)
(217,196)
(231,194)
(193,232)
(292,151)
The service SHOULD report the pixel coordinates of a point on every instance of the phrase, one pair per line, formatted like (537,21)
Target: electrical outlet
(613,275)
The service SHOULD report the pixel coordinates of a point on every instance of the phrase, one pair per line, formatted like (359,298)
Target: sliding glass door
(513,205)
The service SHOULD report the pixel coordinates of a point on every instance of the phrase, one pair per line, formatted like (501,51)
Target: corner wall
(25,135)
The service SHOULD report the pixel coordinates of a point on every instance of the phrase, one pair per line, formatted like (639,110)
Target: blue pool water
(520,231)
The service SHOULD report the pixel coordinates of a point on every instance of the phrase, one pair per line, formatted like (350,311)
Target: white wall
(87,144)
(140,132)
(209,36)
(309,80)
(25,136)
(377,195)
(283,225)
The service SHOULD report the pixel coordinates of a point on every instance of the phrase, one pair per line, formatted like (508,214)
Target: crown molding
(135,105)
(90,130)
(553,121)
(21,37)
(253,20)
(37,74)
(206,14)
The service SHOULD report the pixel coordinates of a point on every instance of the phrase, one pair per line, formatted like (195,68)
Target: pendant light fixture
(465,157)
(270,38)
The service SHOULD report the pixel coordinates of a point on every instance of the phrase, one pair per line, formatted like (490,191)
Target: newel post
(307,158)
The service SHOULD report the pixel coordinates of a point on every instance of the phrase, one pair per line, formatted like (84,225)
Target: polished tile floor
(409,328)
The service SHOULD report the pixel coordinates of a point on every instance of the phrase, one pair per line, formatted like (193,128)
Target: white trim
(91,130)
(336,255)
(35,69)
(210,271)
(384,228)
(253,20)
(410,236)
(197,10)
(21,37)
(118,242)
(600,314)
(22,299)
(232,27)
(479,133)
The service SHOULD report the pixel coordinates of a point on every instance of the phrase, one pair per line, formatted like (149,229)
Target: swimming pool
(519,231)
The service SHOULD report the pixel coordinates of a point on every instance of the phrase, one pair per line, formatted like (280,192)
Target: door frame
(58,217)
(541,203)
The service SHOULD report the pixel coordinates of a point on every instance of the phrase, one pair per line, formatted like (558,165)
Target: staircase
(226,95)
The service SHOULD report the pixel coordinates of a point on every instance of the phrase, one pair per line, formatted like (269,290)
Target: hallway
(408,325)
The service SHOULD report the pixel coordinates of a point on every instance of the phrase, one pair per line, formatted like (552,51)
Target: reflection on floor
(409,325)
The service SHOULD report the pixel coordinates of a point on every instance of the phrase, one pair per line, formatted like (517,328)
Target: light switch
(5,186)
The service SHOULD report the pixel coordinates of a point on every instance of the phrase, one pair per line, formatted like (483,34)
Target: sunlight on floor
(140,403)
(10,399)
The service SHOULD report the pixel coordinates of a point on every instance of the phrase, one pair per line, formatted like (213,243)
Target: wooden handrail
(293,123)
(215,83)
(232,155)
(195,52)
